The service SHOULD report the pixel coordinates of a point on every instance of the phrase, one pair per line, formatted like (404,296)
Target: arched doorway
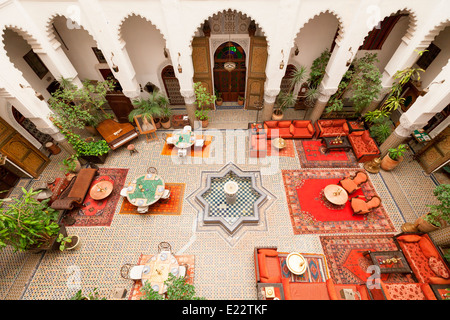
(230,85)
(172,86)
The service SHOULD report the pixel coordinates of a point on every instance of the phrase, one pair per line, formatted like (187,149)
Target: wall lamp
(297,51)
(180,69)
(114,66)
(427,89)
(349,61)
(282,60)
(37,94)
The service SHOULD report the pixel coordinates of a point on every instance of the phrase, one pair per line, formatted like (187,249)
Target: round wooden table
(279,143)
(101,190)
(335,194)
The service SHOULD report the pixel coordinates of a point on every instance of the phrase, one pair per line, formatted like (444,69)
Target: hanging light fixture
(229,65)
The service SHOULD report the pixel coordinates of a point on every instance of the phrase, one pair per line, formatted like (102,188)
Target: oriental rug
(171,206)
(136,294)
(288,151)
(346,260)
(203,152)
(96,213)
(311,154)
(310,213)
(317,270)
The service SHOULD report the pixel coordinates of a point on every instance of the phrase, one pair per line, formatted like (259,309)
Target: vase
(166,125)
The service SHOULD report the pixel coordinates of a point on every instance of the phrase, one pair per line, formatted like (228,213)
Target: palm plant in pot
(166,114)
(149,108)
(287,99)
(393,158)
(27,224)
(437,217)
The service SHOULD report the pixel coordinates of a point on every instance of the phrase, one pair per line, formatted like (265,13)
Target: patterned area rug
(317,270)
(288,151)
(311,154)
(310,214)
(96,213)
(171,206)
(203,152)
(348,264)
(136,294)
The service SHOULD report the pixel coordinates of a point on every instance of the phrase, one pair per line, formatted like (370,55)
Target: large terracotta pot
(425,226)
(219,102)
(205,123)
(166,125)
(277,117)
(157,122)
(388,164)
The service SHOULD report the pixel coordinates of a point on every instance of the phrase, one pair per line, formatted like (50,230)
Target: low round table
(101,190)
(296,263)
(335,194)
(279,143)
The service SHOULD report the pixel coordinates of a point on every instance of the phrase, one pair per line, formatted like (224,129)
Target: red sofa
(364,147)
(331,128)
(286,129)
(424,258)
(268,270)
(405,291)
(302,129)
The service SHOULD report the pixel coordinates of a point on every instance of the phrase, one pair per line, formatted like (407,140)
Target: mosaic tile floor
(222,270)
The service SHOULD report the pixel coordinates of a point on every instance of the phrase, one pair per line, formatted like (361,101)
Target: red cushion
(428,292)
(309,291)
(284,124)
(325,123)
(428,249)
(286,288)
(331,289)
(269,252)
(438,280)
(310,128)
(438,267)
(409,238)
(263,273)
(405,291)
(301,123)
(269,266)
(339,122)
(271,124)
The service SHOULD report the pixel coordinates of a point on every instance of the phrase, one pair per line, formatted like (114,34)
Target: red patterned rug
(136,294)
(288,151)
(96,213)
(171,206)
(311,154)
(348,264)
(310,213)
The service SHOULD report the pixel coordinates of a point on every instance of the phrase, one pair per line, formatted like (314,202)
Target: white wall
(390,45)
(316,36)
(442,41)
(16,47)
(145,47)
(79,49)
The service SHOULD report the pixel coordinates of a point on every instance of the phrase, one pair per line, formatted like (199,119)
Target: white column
(423,109)
(113,50)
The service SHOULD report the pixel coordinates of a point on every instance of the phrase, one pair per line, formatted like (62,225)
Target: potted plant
(241,100)
(219,100)
(439,214)
(71,164)
(28,224)
(287,99)
(68,242)
(177,289)
(149,108)
(166,114)
(393,158)
(203,99)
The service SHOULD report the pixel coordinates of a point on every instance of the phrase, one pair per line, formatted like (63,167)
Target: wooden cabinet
(21,152)
(436,152)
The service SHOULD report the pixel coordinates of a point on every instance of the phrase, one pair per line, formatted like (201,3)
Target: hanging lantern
(229,65)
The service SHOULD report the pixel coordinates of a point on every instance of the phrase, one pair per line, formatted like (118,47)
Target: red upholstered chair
(258,145)
(364,147)
(278,129)
(407,291)
(351,184)
(361,205)
(331,128)
(267,265)
(302,129)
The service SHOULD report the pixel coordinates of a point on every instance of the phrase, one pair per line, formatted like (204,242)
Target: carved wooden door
(231,85)
(202,64)
(21,152)
(256,72)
